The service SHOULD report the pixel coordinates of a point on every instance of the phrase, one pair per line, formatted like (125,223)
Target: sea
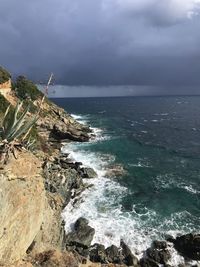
(147,157)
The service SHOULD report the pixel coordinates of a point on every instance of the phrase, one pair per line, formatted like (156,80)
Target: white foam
(76,117)
(161,114)
(99,135)
(80,118)
(168,181)
(190,189)
(101,205)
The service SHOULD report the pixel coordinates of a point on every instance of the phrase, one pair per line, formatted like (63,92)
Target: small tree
(26,89)
(4,75)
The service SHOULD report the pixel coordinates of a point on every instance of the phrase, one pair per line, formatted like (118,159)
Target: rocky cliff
(35,187)
(32,193)
(22,206)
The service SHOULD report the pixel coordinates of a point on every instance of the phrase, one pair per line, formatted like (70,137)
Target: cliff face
(22,204)
(34,189)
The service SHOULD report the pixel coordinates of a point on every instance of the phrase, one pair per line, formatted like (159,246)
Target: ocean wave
(83,119)
(101,205)
(99,135)
(161,114)
(168,181)
(141,163)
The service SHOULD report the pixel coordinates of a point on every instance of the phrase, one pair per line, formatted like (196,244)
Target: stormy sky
(147,43)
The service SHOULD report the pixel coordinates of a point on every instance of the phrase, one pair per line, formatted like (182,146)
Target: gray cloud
(100,42)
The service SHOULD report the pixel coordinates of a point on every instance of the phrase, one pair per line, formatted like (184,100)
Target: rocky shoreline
(36,186)
(79,240)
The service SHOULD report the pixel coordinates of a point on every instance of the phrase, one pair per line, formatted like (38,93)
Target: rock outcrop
(55,258)
(5,88)
(59,125)
(157,254)
(82,234)
(189,246)
(22,204)
(34,189)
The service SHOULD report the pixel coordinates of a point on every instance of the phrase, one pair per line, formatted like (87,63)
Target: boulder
(82,234)
(158,255)
(128,258)
(81,223)
(98,253)
(54,258)
(159,244)
(62,180)
(146,262)
(113,255)
(188,245)
(62,132)
(88,173)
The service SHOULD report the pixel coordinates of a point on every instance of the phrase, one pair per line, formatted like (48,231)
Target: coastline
(176,259)
(60,182)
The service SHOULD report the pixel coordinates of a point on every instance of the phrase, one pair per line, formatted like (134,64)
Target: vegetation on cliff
(34,186)
(4,105)
(4,75)
(25,88)
(15,130)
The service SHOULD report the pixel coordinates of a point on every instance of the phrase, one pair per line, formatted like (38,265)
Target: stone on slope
(82,235)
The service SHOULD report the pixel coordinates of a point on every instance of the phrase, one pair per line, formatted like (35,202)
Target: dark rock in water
(113,255)
(160,244)
(81,223)
(170,239)
(82,235)
(148,263)
(158,255)
(128,258)
(88,173)
(62,132)
(82,251)
(98,253)
(77,165)
(189,246)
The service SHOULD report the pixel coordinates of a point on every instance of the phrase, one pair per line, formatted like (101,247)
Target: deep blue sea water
(156,140)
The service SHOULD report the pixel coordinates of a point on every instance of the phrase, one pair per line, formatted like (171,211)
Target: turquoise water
(157,142)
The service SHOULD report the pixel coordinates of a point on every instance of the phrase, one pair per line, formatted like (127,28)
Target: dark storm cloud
(141,42)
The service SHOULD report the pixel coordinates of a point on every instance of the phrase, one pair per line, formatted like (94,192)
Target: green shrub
(15,131)
(26,89)
(15,125)
(32,108)
(3,104)
(4,75)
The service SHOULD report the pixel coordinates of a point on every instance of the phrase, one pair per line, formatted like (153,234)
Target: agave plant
(14,131)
